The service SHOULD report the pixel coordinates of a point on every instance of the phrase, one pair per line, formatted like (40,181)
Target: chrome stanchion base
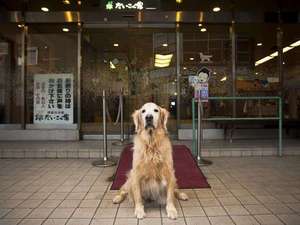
(121,143)
(104,163)
(203,162)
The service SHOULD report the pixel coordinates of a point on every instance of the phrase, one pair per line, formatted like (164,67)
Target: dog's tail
(181,195)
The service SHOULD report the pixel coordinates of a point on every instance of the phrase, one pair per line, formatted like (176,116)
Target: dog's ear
(137,120)
(164,115)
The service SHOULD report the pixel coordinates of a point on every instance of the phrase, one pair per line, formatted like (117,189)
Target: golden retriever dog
(152,175)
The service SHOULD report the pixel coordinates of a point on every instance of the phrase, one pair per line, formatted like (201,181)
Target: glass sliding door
(140,61)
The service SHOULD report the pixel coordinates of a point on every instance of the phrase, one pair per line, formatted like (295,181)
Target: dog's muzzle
(149,121)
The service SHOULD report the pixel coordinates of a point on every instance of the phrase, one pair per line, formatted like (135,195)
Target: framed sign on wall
(53,99)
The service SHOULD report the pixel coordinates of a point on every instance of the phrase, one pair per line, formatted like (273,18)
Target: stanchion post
(122,140)
(105,161)
(200,160)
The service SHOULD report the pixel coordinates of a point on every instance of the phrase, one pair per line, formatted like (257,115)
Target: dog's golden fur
(152,175)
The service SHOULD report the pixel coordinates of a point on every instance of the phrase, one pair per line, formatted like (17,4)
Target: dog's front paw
(139,212)
(171,212)
(117,199)
(183,196)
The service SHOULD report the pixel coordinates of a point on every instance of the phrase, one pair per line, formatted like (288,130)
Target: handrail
(278,117)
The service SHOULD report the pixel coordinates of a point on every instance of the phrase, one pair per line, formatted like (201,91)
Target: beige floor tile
(279,208)
(214,211)
(125,221)
(106,213)
(197,220)
(30,203)
(62,213)
(126,212)
(31,222)
(79,222)
(50,203)
(55,222)
(58,195)
(220,220)
(70,203)
(150,221)
(193,211)
(40,213)
(209,202)
(76,195)
(164,213)
(268,220)
(84,213)
(18,213)
(257,209)
(94,195)
(190,202)
(229,201)
(3,212)
(11,203)
(178,221)
(289,219)
(89,203)
(248,200)
(236,210)
(287,198)
(244,220)
(9,221)
(294,206)
(107,203)
(102,222)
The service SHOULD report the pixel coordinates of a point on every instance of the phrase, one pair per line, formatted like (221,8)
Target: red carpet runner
(187,172)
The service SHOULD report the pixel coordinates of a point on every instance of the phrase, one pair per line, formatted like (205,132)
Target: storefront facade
(54,65)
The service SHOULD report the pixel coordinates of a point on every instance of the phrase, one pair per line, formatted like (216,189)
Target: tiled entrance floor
(245,191)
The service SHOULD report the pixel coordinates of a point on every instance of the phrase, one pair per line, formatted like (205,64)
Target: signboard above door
(130,5)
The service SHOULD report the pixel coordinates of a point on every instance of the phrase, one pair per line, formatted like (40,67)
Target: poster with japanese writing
(53,99)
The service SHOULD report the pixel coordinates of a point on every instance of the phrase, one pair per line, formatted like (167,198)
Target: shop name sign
(53,99)
(124,5)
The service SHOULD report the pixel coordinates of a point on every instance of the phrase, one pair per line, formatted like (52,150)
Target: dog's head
(150,117)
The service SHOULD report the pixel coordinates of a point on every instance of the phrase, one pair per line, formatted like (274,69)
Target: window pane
(10,74)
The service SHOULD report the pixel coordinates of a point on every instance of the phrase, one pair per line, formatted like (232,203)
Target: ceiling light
(217,9)
(178,1)
(192,58)
(162,60)
(283,63)
(274,54)
(214,73)
(66,2)
(175,93)
(295,44)
(200,25)
(203,29)
(256,73)
(45,9)
(159,56)
(20,25)
(165,44)
(259,44)
(65,29)
(111,65)
(151,8)
(116,45)
(224,79)
(79,2)
(184,68)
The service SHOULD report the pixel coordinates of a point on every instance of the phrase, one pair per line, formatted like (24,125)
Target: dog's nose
(149,118)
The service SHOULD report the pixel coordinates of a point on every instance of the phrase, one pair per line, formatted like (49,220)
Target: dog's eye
(143,111)
(155,110)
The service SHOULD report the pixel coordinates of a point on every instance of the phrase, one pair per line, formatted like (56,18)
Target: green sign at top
(124,5)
